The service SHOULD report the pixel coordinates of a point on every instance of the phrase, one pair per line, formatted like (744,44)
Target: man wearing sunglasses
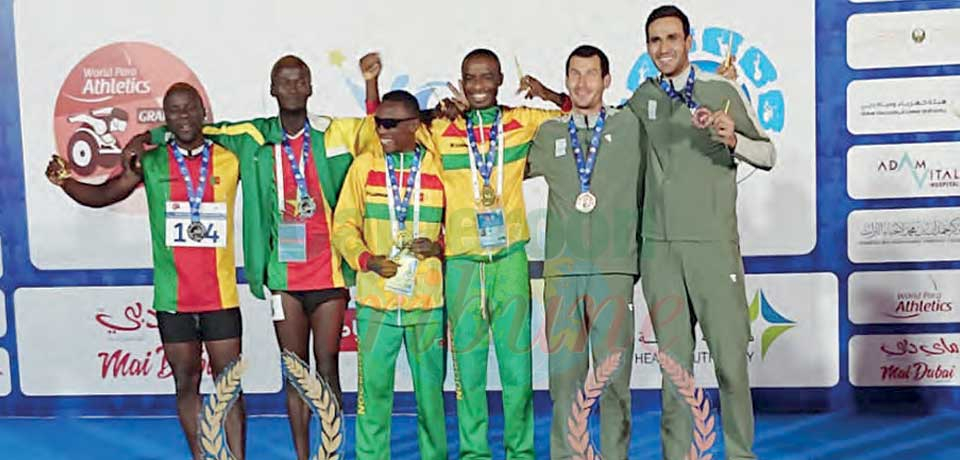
(294,165)
(388,227)
(483,149)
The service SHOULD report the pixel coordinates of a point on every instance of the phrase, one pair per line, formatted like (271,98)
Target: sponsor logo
(112,94)
(771,324)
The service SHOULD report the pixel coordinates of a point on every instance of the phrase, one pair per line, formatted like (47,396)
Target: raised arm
(370,67)
(535,89)
(112,191)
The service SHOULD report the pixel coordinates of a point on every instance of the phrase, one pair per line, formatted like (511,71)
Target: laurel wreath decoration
(578,436)
(322,402)
(213,438)
(703,422)
(703,431)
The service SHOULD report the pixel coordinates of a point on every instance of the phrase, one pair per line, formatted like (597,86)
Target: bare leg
(222,353)
(293,333)
(184,359)
(327,326)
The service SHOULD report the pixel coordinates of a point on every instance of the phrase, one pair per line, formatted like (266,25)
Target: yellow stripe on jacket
(361,224)
(520,126)
(225,173)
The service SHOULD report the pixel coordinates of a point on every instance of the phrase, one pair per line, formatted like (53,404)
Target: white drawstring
(483,291)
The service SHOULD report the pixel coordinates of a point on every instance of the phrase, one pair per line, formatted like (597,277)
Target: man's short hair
(289,61)
(588,51)
(406,99)
(481,52)
(668,11)
(183,87)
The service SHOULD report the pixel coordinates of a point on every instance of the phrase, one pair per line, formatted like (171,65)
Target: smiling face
(481,81)
(668,45)
(399,133)
(184,112)
(586,83)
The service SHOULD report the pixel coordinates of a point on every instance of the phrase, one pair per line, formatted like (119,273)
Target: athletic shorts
(311,300)
(199,327)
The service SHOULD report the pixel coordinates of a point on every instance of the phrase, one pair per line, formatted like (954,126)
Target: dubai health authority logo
(757,76)
(773,325)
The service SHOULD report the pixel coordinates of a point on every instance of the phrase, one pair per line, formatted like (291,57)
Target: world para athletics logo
(757,75)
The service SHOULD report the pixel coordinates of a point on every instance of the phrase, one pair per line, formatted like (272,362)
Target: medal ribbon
(401,206)
(194,195)
(484,162)
(585,165)
(298,175)
(687,96)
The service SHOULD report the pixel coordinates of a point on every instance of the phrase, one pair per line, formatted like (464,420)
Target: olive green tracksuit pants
(689,282)
(590,316)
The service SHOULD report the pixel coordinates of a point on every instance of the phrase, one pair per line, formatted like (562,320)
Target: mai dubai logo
(773,325)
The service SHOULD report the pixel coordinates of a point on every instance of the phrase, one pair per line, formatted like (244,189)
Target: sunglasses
(390,123)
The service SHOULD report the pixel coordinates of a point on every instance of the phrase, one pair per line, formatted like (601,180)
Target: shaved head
(289,61)
(182,88)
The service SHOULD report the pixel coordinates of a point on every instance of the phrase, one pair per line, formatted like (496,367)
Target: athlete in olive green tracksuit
(591,253)
(691,264)
(590,269)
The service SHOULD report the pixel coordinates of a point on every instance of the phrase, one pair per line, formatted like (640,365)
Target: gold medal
(404,240)
(488,196)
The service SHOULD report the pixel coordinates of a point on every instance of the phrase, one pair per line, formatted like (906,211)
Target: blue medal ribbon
(298,175)
(585,165)
(402,206)
(687,96)
(484,162)
(194,195)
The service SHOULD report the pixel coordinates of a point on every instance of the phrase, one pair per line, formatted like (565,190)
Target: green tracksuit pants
(691,282)
(379,336)
(590,316)
(485,297)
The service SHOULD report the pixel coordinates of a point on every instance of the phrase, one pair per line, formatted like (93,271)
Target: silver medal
(196,231)
(586,201)
(307,207)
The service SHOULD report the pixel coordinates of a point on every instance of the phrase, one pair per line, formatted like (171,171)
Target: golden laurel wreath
(322,402)
(314,391)
(579,436)
(213,438)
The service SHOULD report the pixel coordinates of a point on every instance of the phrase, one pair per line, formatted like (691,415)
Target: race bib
(276,307)
(213,219)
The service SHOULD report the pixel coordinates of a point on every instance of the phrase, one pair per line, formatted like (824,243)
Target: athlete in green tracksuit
(700,127)
(593,162)
(483,152)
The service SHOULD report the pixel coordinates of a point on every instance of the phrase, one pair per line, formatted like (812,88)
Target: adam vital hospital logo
(923,176)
